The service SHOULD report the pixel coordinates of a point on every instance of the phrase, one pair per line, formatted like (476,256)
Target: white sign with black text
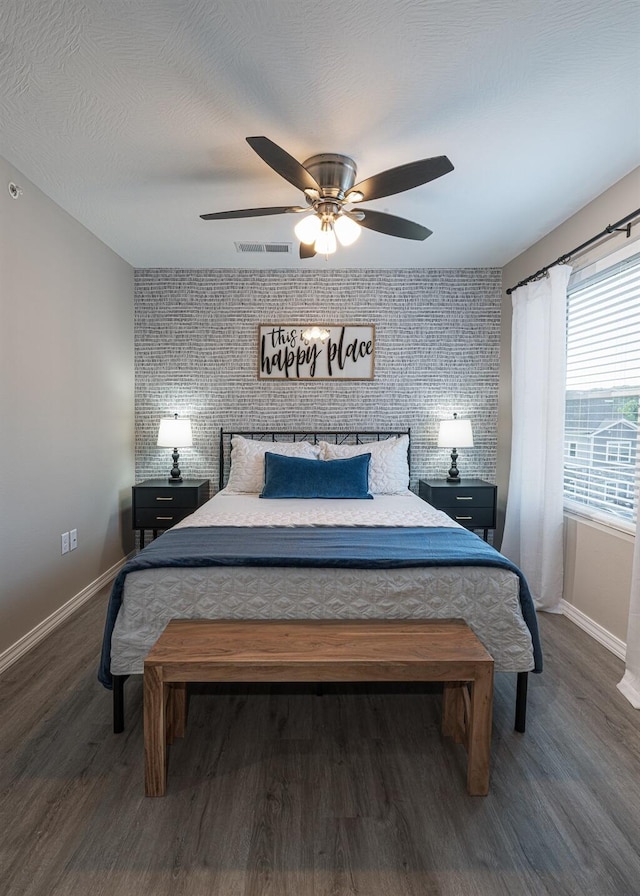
(316,351)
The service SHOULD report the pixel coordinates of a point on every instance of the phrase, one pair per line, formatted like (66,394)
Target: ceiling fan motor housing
(334,173)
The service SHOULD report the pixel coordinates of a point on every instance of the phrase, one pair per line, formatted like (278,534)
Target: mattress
(487,599)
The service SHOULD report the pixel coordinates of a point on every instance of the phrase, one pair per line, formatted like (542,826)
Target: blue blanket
(315,546)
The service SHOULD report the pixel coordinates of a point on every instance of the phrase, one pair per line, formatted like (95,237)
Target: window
(618,452)
(603,388)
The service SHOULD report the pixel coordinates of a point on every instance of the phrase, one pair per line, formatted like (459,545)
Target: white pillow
(389,465)
(247,461)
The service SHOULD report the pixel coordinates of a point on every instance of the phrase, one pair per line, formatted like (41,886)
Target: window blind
(603,386)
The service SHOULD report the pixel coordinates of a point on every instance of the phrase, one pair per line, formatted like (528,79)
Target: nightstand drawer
(461,500)
(472,518)
(160,518)
(167,498)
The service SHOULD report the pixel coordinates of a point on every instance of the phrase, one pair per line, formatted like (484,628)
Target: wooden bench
(320,651)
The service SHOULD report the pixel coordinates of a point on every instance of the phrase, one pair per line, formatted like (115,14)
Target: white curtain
(630,684)
(533,533)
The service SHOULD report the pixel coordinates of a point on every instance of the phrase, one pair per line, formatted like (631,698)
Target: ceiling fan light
(307,229)
(326,241)
(346,230)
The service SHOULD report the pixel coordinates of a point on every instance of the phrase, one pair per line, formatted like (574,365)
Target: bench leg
(155,732)
(176,710)
(453,710)
(479,739)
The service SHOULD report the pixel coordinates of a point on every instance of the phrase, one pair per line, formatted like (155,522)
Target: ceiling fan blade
(284,164)
(307,250)
(404,177)
(253,212)
(390,224)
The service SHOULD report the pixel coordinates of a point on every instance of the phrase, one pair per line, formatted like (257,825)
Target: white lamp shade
(455,434)
(174,433)
(346,230)
(308,229)
(326,242)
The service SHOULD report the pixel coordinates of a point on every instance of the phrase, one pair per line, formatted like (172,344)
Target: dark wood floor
(295,793)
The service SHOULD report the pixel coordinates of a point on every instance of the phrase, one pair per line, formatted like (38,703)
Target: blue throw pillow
(297,477)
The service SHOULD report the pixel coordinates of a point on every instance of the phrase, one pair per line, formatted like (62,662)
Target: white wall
(597,560)
(66,406)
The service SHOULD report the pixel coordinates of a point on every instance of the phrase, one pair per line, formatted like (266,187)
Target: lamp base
(453,475)
(175,474)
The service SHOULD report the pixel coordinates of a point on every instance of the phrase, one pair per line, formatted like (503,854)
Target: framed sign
(316,351)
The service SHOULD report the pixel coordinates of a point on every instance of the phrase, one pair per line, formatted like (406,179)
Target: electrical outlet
(64,538)
(73,539)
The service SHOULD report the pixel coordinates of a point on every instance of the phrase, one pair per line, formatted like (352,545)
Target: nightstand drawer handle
(170,517)
(464,517)
(164,499)
(464,498)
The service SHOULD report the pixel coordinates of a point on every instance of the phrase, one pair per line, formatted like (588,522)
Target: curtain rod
(624,224)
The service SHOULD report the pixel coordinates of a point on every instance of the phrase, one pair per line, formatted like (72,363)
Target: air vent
(263,247)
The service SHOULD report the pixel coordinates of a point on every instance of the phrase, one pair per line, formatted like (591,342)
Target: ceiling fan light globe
(326,242)
(307,229)
(347,230)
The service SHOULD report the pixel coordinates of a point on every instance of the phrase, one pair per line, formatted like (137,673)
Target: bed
(318,526)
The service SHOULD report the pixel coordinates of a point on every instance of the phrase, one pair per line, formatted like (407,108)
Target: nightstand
(158,504)
(470,502)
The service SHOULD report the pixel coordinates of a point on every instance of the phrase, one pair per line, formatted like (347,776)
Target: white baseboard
(37,634)
(600,634)
(630,688)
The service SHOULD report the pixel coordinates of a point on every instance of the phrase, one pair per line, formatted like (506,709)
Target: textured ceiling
(132,114)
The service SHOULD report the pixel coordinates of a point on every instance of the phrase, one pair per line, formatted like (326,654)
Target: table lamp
(174,433)
(455,434)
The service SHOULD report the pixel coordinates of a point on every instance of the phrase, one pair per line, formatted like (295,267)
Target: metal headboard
(351,437)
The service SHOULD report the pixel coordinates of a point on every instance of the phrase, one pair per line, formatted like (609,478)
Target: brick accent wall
(437,351)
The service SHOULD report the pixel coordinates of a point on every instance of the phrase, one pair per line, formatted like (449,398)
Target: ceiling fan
(332,196)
